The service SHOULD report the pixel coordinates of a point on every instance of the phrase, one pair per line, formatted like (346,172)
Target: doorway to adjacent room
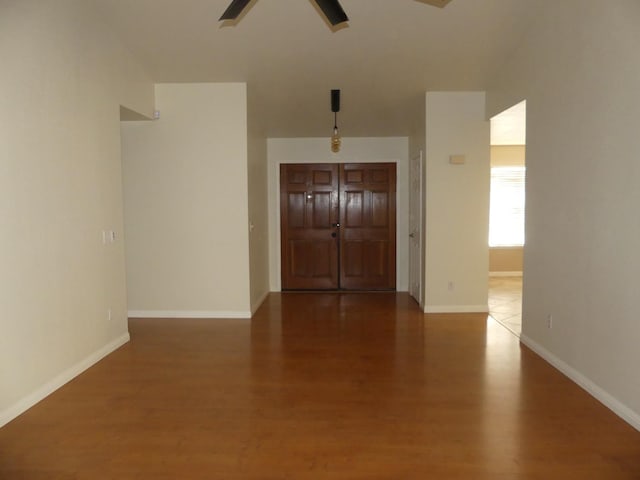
(507,215)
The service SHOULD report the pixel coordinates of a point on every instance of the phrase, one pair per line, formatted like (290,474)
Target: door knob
(337,225)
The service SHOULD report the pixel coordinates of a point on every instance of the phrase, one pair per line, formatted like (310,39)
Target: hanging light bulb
(335,108)
(335,140)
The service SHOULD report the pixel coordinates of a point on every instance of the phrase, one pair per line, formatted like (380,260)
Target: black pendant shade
(335,101)
(335,108)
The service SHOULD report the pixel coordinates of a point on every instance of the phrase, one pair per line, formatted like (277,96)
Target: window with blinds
(506,209)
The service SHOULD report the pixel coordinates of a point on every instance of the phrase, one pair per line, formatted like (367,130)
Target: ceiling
(383,60)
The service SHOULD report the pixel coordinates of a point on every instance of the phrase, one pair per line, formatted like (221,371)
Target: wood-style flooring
(321,386)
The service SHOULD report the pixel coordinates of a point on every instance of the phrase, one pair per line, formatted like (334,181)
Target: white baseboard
(456,309)
(505,274)
(187,314)
(263,297)
(51,386)
(613,404)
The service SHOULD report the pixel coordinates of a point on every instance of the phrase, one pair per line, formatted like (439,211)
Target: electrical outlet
(109,314)
(549,321)
(451,286)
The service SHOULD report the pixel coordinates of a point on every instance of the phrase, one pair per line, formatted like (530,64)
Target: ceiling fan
(331,9)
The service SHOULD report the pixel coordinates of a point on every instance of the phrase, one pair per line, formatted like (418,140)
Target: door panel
(309,213)
(295,207)
(322,210)
(380,209)
(416,202)
(353,206)
(368,226)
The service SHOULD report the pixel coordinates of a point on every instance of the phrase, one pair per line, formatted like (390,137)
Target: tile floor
(505,302)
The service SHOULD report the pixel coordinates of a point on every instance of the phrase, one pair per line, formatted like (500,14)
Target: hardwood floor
(319,386)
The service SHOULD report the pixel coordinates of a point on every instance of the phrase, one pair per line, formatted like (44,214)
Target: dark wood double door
(338,226)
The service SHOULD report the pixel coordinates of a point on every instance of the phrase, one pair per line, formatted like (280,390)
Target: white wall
(63,79)
(579,71)
(186,204)
(317,150)
(457,203)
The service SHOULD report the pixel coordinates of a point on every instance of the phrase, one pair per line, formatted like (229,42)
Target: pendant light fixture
(335,108)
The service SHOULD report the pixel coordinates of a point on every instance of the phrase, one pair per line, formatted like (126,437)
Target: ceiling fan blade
(234,9)
(333,11)
(436,3)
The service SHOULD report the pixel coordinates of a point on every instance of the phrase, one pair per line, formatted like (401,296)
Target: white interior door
(415,227)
